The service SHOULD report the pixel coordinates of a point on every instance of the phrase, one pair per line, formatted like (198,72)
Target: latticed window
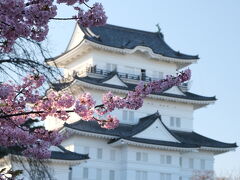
(175,122)
(112,155)
(111,67)
(99,153)
(141,175)
(86,150)
(85,173)
(111,175)
(202,164)
(165,159)
(128,116)
(98,174)
(165,176)
(191,163)
(142,156)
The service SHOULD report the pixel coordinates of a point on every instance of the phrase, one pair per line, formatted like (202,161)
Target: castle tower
(155,142)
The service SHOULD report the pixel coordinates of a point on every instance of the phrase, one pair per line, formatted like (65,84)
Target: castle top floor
(112,47)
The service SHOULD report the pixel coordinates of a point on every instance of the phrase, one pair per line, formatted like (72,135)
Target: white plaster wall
(76,38)
(166,110)
(136,60)
(61,171)
(126,63)
(126,165)
(105,164)
(52,123)
(175,90)
(150,106)
(197,156)
(115,81)
(58,171)
(79,64)
(156,132)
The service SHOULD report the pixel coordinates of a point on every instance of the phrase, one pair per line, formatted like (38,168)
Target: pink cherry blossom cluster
(21,103)
(84,107)
(111,122)
(95,16)
(17,100)
(30,18)
(72,2)
(134,99)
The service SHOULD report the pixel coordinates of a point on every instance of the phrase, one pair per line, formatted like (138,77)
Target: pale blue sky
(208,28)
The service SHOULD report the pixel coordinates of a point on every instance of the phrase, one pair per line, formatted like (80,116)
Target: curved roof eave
(85,42)
(128,38)
(190,98)
(127,132)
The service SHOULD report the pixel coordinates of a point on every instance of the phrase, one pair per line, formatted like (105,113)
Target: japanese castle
(156,142)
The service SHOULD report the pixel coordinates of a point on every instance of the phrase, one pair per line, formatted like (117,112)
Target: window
(165,176)
(86,150)
(112,155)
(99,153)
(85,173)
(132,70)
(141,175)
(143,74)
(141,156)
(99,174)
(191,163)
(138,156)
(125,115)
(111,67)
(138,175)
(128,116)
(145,157)
(111,175)
(180,161)
(162,159)
(178,122)
(202,164)
(172,121)
(157,75)
(166,159)
(144,175)
(175,122)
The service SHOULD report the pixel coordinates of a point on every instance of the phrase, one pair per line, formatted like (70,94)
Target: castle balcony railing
(96,72)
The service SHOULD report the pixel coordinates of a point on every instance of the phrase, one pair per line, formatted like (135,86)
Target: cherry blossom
(29,18)
(22,105)
(134,99)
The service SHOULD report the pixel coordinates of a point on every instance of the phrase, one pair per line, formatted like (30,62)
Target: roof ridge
(130,29)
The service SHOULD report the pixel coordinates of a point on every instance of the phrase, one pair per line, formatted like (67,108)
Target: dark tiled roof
(195,138)
(157,142)
(130,87)
(125,131)
(68,155)
(63,154)
(126,38)
(122,131)
(60,86)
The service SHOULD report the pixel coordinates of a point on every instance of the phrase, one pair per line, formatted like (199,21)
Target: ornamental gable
(156,131)
(115,80)
(175,90)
